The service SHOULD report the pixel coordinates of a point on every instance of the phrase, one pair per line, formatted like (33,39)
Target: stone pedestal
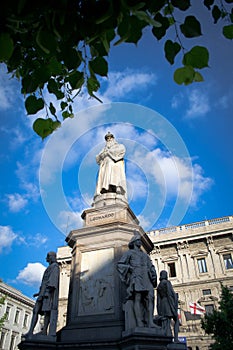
(96,294)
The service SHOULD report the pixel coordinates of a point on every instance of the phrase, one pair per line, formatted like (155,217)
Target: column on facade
(186,264)
(214,258)
(157,259)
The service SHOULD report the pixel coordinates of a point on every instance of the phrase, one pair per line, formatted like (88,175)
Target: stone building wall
(198,258)
(18,308)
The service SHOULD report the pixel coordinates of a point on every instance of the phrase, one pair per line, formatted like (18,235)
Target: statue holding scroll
(111,177)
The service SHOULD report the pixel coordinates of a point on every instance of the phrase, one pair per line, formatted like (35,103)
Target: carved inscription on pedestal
(98,219)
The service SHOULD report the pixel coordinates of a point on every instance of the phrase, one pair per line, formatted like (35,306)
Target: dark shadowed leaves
(228,31)
(171,50)
(191,27)
(33,104)
(181,5)
(99,66)
(159,32)
(197,57)
(216,13)
(208,3)
(6,46)
(184,75)
(45,127)
(76,79)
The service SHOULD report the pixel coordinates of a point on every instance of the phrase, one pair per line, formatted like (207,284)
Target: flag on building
(196,309)
(179,316)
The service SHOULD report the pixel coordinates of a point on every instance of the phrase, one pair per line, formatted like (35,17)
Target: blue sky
(178,160)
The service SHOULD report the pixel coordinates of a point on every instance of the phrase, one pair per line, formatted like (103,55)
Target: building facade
(18,310)
(198,258)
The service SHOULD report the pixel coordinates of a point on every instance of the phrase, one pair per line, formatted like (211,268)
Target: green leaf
(52,109)
(45,127)
(168,10)
(198,77)
(55,88)
(72,58)
(55,67)
(66,114)
(6,47)
(46,41)
(191,27)
(76,79)
(181,5)
(135,29)
(159,32)
(29,84)
(216,13)
(130,29)
(184,75)
(228,31)
(63,105)
(143,16)
(99,66)
(197,57)
(208,3)
(92,84)
(33,104)
(156,6)
(171,50)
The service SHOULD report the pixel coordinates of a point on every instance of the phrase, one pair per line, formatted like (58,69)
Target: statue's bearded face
(109,141)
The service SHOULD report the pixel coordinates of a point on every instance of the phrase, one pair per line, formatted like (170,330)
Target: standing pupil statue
(167,305)
(111,177)
(139,275)
(47,300)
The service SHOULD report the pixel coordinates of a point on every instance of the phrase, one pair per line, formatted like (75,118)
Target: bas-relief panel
(97,283)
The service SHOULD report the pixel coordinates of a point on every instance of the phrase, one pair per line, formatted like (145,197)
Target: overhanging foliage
(62,46)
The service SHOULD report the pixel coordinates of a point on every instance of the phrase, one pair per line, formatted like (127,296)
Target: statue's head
(109,136)
(163,275)
(51,257)
(134,239)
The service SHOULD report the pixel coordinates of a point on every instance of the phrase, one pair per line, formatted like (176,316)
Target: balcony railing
(192,226)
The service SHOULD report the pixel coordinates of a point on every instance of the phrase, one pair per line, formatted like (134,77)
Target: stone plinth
(137,339)
(96,294)
(111,213)
(107,199)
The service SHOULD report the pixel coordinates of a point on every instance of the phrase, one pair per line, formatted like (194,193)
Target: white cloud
(143,221)
(137,187)
(119,84)
(7,237)
(198,104)
(69,220)
(7,94)
(16,202)
(31,274)
(37,240)
(195,101)
(175,175)
(177,100)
